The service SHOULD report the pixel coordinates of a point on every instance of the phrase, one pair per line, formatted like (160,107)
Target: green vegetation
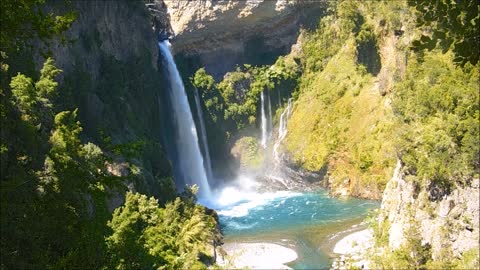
(51,182)
(340,121)
(438,107)
(22,23)
(411,255)
(450,25)
(248,151)
(365,97)
(422,107)
(469,260)
(56,187)
(380,228)
(232,105)
(148,236)
(236,98)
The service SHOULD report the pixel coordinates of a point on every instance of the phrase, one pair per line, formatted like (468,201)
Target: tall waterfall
(270,122)
(282,129)
(264,121)
(190,159)
(203,133)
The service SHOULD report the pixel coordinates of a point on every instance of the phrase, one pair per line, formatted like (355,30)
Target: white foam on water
(238,199)
(248,201)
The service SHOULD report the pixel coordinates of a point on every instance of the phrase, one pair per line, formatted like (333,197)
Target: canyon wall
(219,35)
(111,74)
(447,221)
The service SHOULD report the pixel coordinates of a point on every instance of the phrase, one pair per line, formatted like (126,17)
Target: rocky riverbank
(255,256)
(352,250)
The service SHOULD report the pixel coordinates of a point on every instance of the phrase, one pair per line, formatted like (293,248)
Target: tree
(148,236)
(451,24)
(27,20)
(203,80)
(438,105)
(34,99)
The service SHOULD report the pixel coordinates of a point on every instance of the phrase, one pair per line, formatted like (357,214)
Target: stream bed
(308,223)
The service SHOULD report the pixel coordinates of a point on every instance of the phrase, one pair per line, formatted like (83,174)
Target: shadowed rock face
(160,19)
(111,74)
(222,34)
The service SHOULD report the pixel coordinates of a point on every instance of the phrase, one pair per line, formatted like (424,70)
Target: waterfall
(190,161)
(264,121)
(203,133)
(270,123)
(282,129)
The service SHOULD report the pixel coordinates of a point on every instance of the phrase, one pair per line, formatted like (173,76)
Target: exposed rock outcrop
(451,222)
(448,224)
(222,34)
(160,19)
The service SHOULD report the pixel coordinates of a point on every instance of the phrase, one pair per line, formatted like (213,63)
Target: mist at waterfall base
(245,214)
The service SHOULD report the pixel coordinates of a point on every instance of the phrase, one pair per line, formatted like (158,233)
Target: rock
(257,256)
(209,30)
(119,169)
(449,220)
(445,206)
(476,183)
(160,19)
(110,73)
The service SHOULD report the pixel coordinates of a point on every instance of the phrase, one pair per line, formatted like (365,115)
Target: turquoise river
(310,223)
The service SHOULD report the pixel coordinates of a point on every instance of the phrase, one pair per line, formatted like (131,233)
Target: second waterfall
(189,165)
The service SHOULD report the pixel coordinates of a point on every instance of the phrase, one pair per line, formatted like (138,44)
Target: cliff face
(111,75)
(221,34)
(447,222)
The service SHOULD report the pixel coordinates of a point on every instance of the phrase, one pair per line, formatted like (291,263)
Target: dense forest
(376,84)
(55,186)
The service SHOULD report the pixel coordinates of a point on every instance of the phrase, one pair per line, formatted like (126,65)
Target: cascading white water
(270,122)
(264,121)
(282,129)
(203,133)
(189,155)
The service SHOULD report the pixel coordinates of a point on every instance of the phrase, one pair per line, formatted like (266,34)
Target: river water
(305,222)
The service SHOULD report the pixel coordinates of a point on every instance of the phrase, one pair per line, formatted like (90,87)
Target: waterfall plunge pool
(305,222)
(301,221)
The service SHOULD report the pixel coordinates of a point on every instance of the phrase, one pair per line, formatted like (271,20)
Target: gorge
(230,134)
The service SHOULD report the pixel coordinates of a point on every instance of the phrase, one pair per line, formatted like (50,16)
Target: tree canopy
(449,24)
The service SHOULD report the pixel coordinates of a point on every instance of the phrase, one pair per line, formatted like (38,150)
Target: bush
(248,151)
(438,109)
(148,236)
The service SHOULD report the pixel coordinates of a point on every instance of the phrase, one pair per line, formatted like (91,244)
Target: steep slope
(342,118)
(448,223)
(111,75)
(357,117)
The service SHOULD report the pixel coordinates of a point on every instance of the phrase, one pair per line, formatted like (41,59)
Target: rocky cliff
(222,34)
(447,222)
(422,225)
(110,73)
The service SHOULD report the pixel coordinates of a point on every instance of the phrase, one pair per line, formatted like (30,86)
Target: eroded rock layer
(222,34)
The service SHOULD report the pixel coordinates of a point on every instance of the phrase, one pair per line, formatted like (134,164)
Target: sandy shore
(353,248)
(255,256)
